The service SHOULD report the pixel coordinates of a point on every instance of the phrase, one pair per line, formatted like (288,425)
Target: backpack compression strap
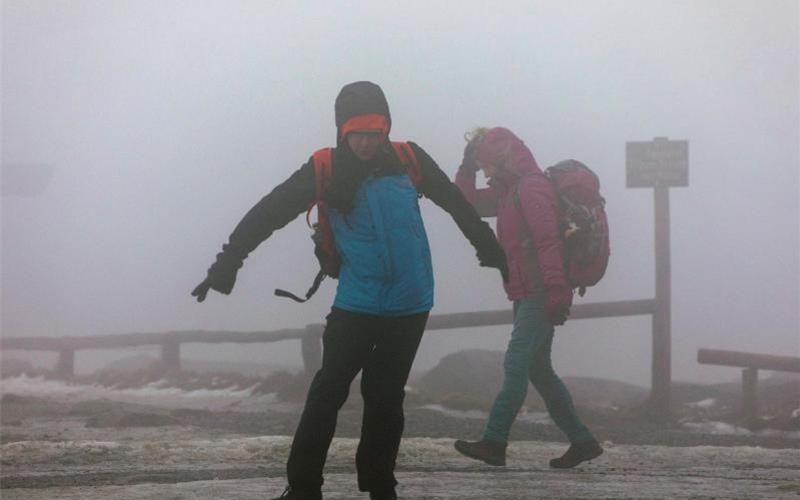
(311,291)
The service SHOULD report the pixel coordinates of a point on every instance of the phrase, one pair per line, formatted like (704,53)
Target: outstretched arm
(282,205)
(436,186)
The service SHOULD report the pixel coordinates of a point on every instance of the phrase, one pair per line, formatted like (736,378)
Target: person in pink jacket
(522,199)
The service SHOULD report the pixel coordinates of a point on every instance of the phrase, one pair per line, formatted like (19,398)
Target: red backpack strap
(407,157)
(322,172)
(322,169)
(323,165)
(325,246)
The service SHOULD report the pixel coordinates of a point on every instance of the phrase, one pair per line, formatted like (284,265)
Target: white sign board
(659,162)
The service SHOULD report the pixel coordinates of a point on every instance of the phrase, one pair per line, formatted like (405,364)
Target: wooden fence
(309,336)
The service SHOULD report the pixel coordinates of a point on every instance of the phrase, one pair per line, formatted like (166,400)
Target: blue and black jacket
(379,232)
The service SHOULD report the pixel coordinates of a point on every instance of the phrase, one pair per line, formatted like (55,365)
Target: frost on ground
(144,437)
(427,468)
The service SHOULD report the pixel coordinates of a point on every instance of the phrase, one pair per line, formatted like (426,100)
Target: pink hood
(500,147)
(522,199)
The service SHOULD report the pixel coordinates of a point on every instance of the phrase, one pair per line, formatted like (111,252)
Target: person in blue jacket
(385,289)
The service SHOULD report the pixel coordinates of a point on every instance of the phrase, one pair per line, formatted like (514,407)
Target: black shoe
(388,494)
(577,453)
(292,494)
(491,452)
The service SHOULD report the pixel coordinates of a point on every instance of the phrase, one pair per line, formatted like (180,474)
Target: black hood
(360,98)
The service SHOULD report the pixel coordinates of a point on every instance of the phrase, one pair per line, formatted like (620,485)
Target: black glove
(468,163)
(496,259)
(221,276)
(504,271)
(558,300)
(201,290)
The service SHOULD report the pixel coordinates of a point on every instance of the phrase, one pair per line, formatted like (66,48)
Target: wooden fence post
(749,396)
(311,348)
(65,367)
(661,385)
(171,355)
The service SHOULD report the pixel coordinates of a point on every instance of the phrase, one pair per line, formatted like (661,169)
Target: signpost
(660,164)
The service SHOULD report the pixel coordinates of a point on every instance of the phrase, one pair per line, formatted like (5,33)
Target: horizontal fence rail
(139,339)
(309,337)
(748,360)
(506,317)
(435,322)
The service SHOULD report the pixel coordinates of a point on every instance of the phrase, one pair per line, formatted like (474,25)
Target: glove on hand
(557,302)
(221,276)
(468,163)
(496,259)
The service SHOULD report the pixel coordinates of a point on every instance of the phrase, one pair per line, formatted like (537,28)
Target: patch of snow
(523,416)
(716,428)
(534,417)
(477,414)
(710,427)
(152,393)
(705,403)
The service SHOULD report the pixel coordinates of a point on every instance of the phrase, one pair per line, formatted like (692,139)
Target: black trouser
(384,348)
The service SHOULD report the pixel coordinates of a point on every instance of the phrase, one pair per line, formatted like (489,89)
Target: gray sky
(154,126)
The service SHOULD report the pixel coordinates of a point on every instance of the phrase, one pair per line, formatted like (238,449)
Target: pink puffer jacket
(522,199)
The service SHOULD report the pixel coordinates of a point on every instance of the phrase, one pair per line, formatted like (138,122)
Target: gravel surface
(252,468)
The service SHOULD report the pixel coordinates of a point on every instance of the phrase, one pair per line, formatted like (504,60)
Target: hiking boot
(387,494)
(491,452)
(293,494)
(577,453)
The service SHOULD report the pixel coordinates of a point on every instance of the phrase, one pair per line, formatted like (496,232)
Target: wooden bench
(750,363)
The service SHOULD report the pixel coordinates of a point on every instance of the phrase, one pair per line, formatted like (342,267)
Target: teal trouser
(528,355)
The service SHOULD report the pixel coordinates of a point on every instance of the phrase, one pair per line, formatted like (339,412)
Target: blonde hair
(503,142)
(473,137)
(475,134)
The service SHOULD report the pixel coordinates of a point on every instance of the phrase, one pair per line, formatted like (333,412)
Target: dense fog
(136,134)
